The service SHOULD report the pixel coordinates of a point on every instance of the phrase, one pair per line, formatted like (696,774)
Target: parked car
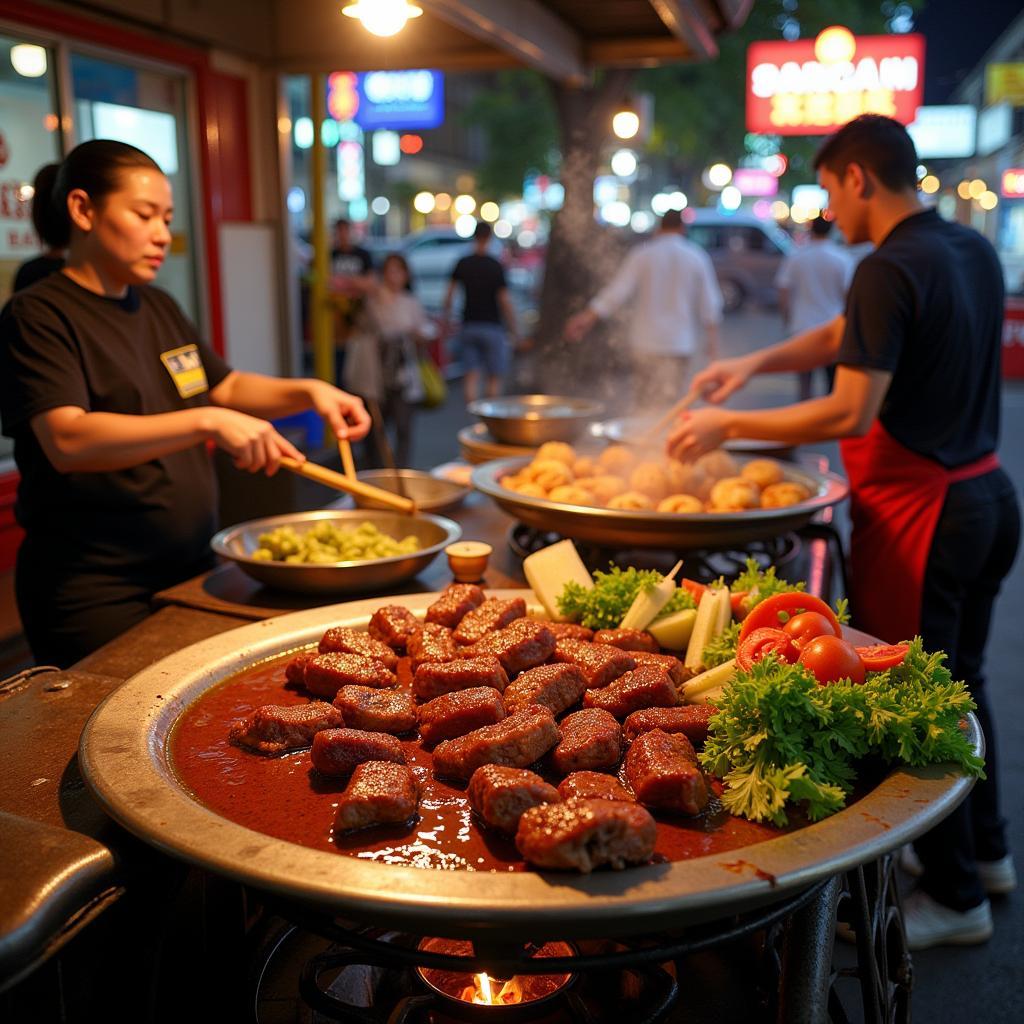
(746,252)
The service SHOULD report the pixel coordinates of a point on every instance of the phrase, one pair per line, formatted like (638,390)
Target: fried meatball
(718,464)
(783,494)
(571,494)
(687,478)
(632,501)
(557,450)
(548,473)
(733,493)
(585,466)
(764,472)
(617,459)
(604,487)
(680,503)
(649,478)
(521,486)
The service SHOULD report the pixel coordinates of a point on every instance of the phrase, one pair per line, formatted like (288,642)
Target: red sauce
(284,798)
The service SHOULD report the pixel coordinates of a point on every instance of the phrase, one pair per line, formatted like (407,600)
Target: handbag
(435,391)
(362,372)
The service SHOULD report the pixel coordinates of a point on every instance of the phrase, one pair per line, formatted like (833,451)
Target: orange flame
(482,992)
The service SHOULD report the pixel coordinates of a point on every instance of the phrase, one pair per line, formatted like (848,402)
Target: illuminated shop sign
(945,131)
(1012,185)
(752,181)
(394,100)
(813,86)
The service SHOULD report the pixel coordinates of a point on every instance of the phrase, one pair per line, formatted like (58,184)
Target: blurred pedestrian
(936,521)
(488,332)
(675,298)
(812,283)
(383,359)
(50,228)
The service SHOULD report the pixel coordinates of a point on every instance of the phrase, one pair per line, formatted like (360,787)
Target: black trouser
(973,550)
(67,613)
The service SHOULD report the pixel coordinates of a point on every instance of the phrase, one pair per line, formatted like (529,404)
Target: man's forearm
(820,419)
(808,350)
(258,395)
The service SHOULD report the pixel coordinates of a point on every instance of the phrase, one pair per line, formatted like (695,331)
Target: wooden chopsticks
(347,462)
(651,432)
(349,485)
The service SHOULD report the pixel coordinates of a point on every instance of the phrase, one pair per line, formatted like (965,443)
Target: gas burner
(705,564)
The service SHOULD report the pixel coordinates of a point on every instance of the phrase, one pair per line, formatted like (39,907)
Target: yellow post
(321,313)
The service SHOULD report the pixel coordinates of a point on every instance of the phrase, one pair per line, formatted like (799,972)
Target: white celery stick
(648,603)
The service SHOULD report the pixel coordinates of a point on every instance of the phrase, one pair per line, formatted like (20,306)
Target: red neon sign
(1013,183)
(791,92)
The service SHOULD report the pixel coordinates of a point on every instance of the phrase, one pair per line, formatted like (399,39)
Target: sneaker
(928,923)
(998,877)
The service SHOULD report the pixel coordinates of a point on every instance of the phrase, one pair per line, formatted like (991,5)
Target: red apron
(896,498)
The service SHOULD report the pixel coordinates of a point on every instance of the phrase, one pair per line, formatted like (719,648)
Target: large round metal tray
(434,533)
(125,760)
(678,531)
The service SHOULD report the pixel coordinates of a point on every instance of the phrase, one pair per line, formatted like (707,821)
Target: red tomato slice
(806,626)
(832,659)
(777,610)
(695,588)
(879,657)
(763,642)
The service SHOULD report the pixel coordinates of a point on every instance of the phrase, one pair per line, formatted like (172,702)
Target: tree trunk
(581,255)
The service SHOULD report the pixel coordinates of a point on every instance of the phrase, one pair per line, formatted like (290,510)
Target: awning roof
(565,39)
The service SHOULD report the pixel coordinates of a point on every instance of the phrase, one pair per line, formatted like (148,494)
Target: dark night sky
(958,33)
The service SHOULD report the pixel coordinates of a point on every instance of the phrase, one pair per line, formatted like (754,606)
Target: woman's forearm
(76,441)
(820,419)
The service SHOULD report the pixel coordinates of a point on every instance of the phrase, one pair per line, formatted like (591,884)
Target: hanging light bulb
(382,17)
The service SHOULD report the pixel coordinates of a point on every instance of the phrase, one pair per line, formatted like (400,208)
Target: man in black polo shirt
(915,403)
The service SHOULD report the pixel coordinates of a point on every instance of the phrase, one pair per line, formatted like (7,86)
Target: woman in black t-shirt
(110,396)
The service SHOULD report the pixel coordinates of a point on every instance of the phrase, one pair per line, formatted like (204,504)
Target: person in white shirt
(675,296)
(812,282)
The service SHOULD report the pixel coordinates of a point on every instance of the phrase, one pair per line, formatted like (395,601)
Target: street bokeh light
(424,202)
(382,17)
(465,225)
(489,212)
(464,204)
(625,124)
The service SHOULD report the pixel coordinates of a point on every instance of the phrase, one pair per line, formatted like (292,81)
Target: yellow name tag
(186,369)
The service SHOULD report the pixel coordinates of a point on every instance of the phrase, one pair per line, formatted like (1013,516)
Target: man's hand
(344,412)
(697,432)
(723,378)
(577,326)
(253,443)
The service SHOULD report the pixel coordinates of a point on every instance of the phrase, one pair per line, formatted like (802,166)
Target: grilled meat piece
(275,730)
(337,752)
(646,686)
(580,835)
(432,679)
(593,786)
(677,671)
(500,794)
(326,674)
(516,741)
(591,739)
(691,720)
(379,793)
(555,686)
(599,663)
(494,613)
(393,625)
(295,670)
(343,640)
(627,640)
(433,643)
(376,710)
(455,714)
(570,631)
(662,770)
(519,646)
(455,602)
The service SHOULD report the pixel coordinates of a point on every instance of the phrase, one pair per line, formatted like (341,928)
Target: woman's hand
(253,443)
(724,377)
(344,412)
(697,432)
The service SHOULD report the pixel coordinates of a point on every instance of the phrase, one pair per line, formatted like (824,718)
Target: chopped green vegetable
(761,584)
(781,738)
(723,647)
(606,603)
